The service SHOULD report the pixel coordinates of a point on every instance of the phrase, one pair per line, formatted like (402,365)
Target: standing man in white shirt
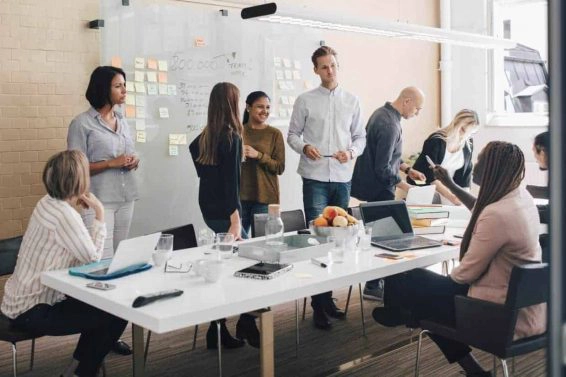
(326,130)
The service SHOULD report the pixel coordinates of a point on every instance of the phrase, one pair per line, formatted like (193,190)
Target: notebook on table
(391,226)
(420,195)
(131,256)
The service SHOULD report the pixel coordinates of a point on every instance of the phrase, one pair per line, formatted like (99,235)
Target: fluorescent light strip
(391,29)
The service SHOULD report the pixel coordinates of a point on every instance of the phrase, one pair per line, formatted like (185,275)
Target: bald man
(376,173)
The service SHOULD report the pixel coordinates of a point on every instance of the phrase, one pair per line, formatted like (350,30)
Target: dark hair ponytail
(252,97)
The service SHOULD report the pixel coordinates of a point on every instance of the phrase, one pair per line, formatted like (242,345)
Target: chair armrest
(484,324)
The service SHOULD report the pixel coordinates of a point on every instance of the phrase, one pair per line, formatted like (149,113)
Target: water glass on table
(365,237)
(163,250)
(224,244)
(206,238)
(337,246)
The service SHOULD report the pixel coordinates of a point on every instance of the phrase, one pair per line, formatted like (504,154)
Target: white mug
(211,270)
(161,256)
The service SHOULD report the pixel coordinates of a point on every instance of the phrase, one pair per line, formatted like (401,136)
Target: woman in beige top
(502,233)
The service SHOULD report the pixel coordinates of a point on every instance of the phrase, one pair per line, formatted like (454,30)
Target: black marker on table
(318,263)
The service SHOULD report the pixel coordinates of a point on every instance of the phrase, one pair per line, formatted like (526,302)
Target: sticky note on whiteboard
(130,87)
(139,63)
(131,100)
(138,76)
(162,65)
(163,112)
(172,90)
(152,76)
(116,62)
(177,139)
(151,64)
(152,89)
(140,136)
(173,150)
(140,87)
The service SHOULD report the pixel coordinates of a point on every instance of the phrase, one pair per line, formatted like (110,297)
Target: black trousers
(99,330)
(427,295)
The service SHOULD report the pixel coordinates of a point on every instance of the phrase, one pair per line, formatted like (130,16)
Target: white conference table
(230,296)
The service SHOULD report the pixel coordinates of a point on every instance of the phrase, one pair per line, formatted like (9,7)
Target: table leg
(266,351)
(138,350)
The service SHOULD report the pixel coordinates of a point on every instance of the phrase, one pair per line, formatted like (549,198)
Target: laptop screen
(389,219)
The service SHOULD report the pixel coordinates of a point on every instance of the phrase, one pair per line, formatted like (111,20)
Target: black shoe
(227,340)
(477,374)
(320,320)
(247,329)
(332,311)
(121,348)
(390,317)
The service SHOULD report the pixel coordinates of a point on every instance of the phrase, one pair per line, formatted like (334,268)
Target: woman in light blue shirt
(102,134)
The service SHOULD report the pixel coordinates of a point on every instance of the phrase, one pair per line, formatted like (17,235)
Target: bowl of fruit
(334,221)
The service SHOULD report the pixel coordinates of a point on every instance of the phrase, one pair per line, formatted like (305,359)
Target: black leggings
(99,330)
(428,295)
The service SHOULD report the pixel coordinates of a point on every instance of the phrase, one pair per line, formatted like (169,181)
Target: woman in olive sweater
(264,150)
(451,148)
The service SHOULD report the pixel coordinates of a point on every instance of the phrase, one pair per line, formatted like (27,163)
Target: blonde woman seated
(56,238)
(450,147)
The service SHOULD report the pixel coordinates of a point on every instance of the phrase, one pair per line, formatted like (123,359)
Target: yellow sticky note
(162,65)
(177,139)
(151,64)
(131,100)
(130,111)
(130,87)
(116,62)
(140,136)
(152,76)
(162,77)
(138,76)
(140,87)
(139,63)
(163,112)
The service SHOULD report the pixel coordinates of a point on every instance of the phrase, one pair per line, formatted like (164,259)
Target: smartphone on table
(389,256)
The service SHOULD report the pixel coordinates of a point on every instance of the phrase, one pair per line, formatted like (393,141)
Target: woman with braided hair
(502,233)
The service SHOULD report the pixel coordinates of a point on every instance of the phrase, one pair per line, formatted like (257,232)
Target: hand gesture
(250,152)
(89,200)
(236,230)
(342,156)
(119,162)
(416,175)
(132,162)
(442,175)
(311,152)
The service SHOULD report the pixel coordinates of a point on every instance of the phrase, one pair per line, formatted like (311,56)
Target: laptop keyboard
(409,243)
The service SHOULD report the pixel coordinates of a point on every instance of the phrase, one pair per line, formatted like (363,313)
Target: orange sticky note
(162,77)
(130,111)
(116,62)
(151,64)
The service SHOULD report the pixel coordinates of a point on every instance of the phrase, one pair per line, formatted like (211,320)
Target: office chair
(184,237)
(490,327)
(8,254)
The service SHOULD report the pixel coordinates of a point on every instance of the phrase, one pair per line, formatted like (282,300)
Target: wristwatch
(406,171)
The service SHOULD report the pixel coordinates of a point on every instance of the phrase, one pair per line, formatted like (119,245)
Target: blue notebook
(98,270)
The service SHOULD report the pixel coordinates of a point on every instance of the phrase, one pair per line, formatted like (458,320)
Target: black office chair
(8,254)
(292,221)
(184,237)
(489,326)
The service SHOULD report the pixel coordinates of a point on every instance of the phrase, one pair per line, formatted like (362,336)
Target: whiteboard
(198,47)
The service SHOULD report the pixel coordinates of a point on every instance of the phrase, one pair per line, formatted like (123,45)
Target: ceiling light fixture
(272,13)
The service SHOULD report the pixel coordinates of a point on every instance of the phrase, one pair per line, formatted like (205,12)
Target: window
(519,76)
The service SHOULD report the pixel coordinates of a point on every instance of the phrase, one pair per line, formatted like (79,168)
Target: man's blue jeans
(316,196)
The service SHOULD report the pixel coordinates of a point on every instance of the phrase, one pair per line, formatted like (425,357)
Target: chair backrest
(292,221)
(184,236)
(528,285)
(355,212)
(9,249)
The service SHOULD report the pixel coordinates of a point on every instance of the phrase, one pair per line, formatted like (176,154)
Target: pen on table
(318,263)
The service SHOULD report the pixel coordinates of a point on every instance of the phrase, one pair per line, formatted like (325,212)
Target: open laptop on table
(391,226)
(131,252)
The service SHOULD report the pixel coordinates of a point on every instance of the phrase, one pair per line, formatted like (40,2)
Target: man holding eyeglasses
(326,130)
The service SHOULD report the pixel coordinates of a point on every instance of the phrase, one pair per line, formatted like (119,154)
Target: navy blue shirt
(377,169)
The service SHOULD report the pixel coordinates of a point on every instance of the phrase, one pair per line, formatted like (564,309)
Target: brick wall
(46,56)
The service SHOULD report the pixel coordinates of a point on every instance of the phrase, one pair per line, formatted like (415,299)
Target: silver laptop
(391,226)
(131,252)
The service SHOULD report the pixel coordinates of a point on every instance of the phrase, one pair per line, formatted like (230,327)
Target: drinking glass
(365,237)
(165,243)
(224,243)
(206,238)
(337,246)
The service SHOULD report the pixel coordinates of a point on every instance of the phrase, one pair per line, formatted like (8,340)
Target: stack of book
(428,219)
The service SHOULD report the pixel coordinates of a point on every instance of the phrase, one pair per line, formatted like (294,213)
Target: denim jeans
(249,209)
(317,195)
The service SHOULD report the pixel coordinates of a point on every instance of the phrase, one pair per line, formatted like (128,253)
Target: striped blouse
(56,238)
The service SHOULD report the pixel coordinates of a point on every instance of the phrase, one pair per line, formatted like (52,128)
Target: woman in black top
(217,155)
(451,148)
